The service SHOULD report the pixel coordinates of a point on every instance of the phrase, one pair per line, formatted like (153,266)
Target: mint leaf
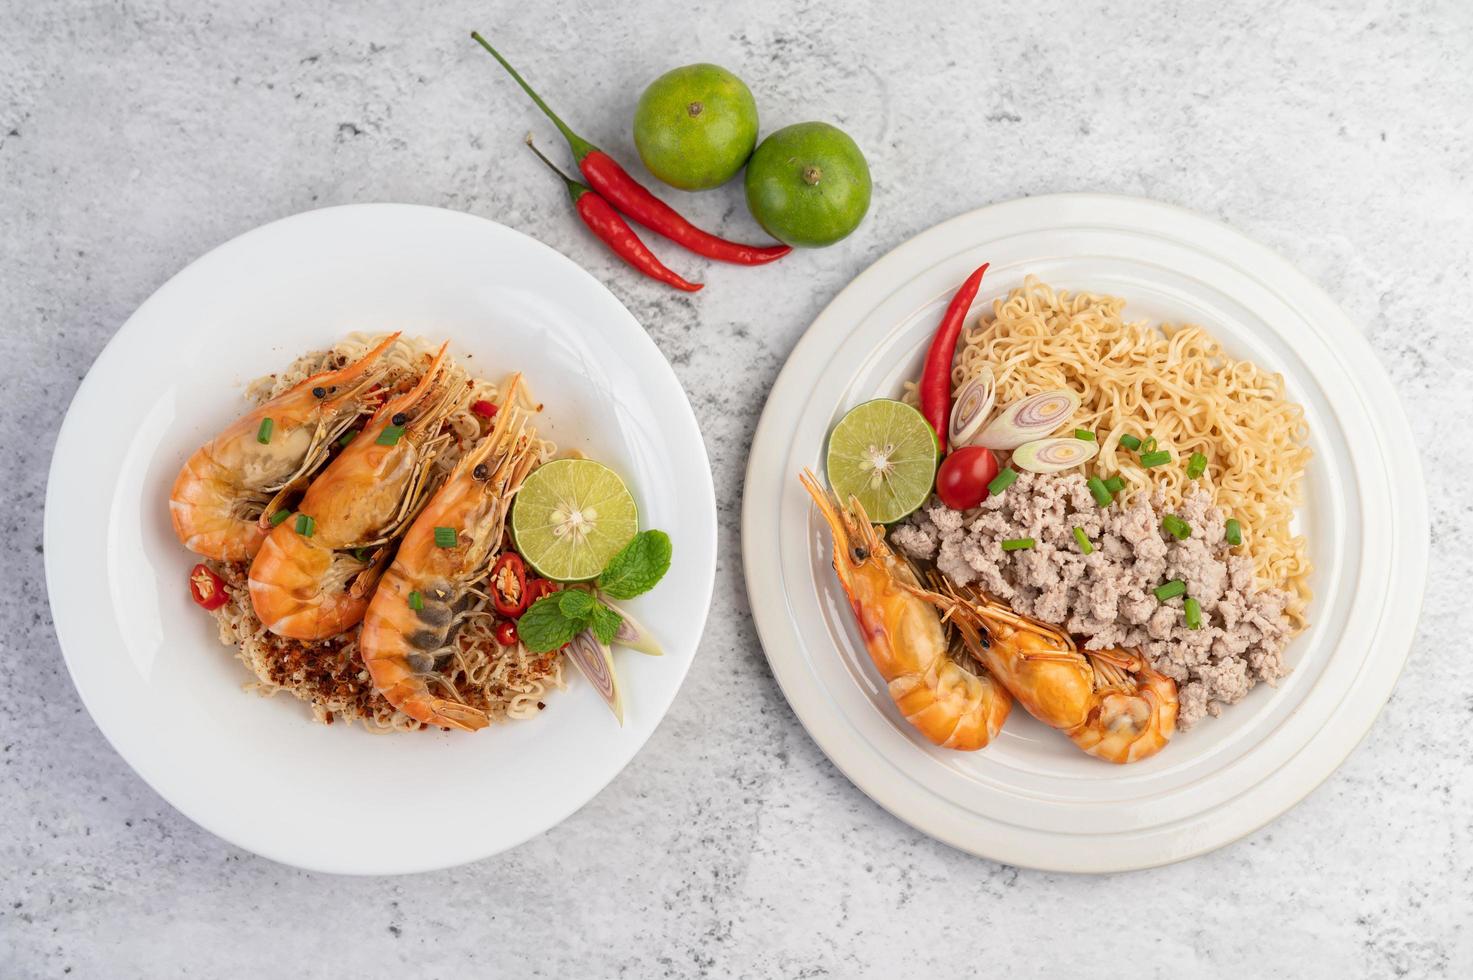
(638,566)
(605,623)
(576,604)
(544,627)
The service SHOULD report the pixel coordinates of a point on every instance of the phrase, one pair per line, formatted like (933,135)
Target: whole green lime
(808,184)
(695,126)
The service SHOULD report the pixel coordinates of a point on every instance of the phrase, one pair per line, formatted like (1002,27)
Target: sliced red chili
(207,588)
(537,588)
(509,585)
(483,408)
(506,633)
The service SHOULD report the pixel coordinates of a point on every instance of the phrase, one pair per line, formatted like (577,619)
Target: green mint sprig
(552,621)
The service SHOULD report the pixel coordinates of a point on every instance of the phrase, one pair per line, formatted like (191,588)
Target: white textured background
(135,136)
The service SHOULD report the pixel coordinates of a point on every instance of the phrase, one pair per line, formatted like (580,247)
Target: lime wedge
(570,517)
(883,452)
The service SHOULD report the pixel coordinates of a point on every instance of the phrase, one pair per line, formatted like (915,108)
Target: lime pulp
(883,452)
(570,517)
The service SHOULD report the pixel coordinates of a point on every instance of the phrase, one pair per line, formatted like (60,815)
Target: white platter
(146,662)
(1030,798)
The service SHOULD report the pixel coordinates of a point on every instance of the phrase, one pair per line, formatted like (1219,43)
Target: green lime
(570,517)
(808,185)
(695,126)
(883,452)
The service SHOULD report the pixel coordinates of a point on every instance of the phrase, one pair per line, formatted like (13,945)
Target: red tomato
(207,588)
(506,633)
(961,483)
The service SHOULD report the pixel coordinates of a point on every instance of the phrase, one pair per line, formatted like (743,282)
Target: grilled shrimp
(228,488)
(950,705)
(313,575)
(406,648)
(1109,702)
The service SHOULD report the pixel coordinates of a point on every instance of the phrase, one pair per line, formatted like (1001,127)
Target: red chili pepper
(509,585)
(634,199)
(935,388)
(506,633)
(483,408)
(614,231)
(207,588)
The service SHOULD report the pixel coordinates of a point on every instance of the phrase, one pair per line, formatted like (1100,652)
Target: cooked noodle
(1173,383)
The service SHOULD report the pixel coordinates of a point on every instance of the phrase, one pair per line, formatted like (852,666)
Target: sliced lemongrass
(971,408)
(632,634)
(596,661)
(1029,419)
(1053,455)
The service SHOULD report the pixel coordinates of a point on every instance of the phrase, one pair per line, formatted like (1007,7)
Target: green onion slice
(1155,459)
(1130,442)
(346,437)
(1017,544)
(280,516)
(1084,434)
(1176,527)
(1084,546)
(1115,484)
(1097,490)
(1194,613)
(446,537)
(263,433)
(1149,446)
(1171,589)
(416,601)
(360,553)
(306,526)
(1196,466)
(390,435)
(1002,481)
(1234,532)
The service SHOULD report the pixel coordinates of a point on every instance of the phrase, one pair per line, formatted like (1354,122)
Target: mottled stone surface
(135,136)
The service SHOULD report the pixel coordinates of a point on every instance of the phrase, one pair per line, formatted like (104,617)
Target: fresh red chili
(506,633)
(483,408)
(614,231)
(935,389)
(634,199)
(207,588)
(509,585)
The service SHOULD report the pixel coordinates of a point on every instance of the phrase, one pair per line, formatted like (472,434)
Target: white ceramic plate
(1030,798)
(147,663)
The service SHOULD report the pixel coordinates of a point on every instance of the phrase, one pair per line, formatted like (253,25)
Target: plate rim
(863,763)
(72,423)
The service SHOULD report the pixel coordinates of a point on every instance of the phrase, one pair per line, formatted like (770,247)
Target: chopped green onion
(1194,614)
(1017,544)
(1196,466)
(1084,434)
(416,601)
(1176,527)
(1115,484)
(1130,442)
(1149,446)
(1171,589)
(390,435)
(1084,546)
(1155,459)
(280,516)
(347,437)
(446,537)
(263,434)
(1234,532)
(306,526)
(360,553)
(1002,481)
(1098,491)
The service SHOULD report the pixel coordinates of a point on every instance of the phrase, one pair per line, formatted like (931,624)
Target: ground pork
(1107,598)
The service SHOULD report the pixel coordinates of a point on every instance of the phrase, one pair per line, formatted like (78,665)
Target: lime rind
(557,489)
(898,438)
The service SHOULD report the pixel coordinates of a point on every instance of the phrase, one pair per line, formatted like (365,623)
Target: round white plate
(147,663)
(1030,798)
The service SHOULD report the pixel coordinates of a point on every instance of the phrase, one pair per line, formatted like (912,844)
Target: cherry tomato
(207,588)
(509,585)
(506,633)
(961,483)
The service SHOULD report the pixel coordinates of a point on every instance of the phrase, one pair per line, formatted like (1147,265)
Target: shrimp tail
(419,704)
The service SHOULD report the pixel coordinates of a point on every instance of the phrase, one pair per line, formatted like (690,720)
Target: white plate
(1030,798)
(146,662)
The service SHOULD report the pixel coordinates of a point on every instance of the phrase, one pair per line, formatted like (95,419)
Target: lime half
(883,452)
(570,517)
